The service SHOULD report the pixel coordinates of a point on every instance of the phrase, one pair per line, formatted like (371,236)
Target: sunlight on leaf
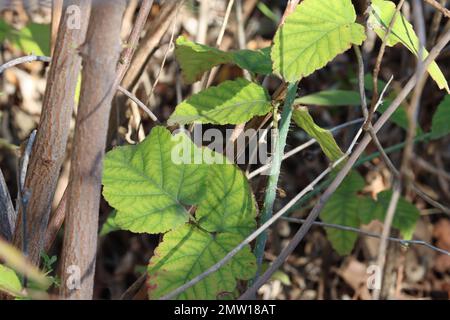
(324,137)
(9,281)
(315,33)
(188,251)
(232,102)
(402,32)
(195,59)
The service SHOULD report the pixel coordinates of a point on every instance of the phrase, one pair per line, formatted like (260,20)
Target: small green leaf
(110,224)
(342,209)
(195,59)
(228,206)
(188,251)
(331,98)
(148,189)
(402,32)
(9,281)
(232,102)
(324,137)
(315,33)
(441,119)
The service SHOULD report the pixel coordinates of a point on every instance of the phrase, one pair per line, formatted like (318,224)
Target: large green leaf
(313,35)
(148,189)
(342,209)
(402,32)
(9,281)
(324,137)
(331,98)
(228,206)
(195,59)
(232,102)
(187,252)
(441,119)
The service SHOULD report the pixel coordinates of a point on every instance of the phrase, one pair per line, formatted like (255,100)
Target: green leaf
(406,215)
(187,252)
(110,224)
(33,39)
(148,189)
(228,206)
(402,32)
(369,210)
(331,98)
(232,102)
(441,119)
(315,33)
(342,209)
(195,59)
(399,117)
(256,61)
(324,137)
(9,281)
(5,30)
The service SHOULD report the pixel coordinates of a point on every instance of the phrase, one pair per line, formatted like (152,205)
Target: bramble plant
(197,197)
(205,210)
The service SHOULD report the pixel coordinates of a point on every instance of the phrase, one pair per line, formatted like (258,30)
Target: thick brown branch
(100,57)
(53,130)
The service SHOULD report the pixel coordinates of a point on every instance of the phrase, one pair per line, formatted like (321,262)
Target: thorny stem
(271,192)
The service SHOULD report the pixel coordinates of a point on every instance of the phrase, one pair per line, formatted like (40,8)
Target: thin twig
(369,234)
(26,59)
(414,108)
(132,42)
(23,196)
(430,168)
(381,260)
(213,72)
(169,49)
(435,24)
(439,7)
(369,128)
(139,103)
(7,213)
